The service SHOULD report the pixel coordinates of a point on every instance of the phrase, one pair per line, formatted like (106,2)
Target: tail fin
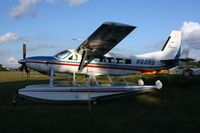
(172,47)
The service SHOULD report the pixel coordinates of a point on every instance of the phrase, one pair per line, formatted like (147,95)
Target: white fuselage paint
(147,64)
(112,64)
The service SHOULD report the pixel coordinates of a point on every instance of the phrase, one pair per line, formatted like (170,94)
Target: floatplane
(92,58)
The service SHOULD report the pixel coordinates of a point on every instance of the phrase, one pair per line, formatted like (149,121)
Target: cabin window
(110,60)
(127,61)
(153,62)
(99,59)
(149,62)
(138,61)
(119,60)
(102,59)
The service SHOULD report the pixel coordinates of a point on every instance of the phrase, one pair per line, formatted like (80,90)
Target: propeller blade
(23,62)
(21,68)
(24,51)
(26,68)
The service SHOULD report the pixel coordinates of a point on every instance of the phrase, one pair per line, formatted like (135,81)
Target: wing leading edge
(107,36)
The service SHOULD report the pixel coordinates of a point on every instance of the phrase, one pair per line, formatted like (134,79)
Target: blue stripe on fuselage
(125,66)
(53,59)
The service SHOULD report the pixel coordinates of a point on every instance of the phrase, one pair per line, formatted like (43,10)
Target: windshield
(63,54)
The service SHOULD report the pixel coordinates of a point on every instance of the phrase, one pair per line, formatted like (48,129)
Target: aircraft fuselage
(111,64)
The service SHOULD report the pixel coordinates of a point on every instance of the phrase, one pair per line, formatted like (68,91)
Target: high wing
(107,36)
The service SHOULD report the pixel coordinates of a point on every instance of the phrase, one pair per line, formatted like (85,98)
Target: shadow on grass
(8,89)
(172,109)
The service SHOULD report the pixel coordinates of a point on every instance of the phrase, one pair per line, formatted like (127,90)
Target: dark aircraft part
(24,66)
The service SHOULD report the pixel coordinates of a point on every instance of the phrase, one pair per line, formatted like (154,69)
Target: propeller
(24,51)
(23,62)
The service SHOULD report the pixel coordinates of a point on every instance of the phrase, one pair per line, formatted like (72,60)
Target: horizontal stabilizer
(186,59)
(174,61)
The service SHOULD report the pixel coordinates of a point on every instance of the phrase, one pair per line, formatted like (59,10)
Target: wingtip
(117,24)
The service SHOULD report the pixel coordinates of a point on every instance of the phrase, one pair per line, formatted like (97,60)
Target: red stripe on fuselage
(92,66)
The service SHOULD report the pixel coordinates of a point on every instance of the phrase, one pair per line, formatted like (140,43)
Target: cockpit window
(63,54)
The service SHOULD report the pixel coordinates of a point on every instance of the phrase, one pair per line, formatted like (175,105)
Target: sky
(50,26)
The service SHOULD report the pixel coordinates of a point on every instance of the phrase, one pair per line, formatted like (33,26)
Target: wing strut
(82,63)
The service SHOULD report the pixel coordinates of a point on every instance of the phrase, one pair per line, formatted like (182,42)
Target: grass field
(175,108)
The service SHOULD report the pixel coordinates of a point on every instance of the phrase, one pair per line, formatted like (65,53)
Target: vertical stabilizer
(172,47)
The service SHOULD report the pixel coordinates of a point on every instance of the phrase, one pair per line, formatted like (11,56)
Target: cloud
(9,37)
(23,8)
(76,2)
(11,62)
(7,58)
(191,34)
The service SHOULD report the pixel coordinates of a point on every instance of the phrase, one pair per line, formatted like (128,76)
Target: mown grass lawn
(175,108)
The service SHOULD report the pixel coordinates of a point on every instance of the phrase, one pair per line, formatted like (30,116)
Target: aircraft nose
(22,61)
